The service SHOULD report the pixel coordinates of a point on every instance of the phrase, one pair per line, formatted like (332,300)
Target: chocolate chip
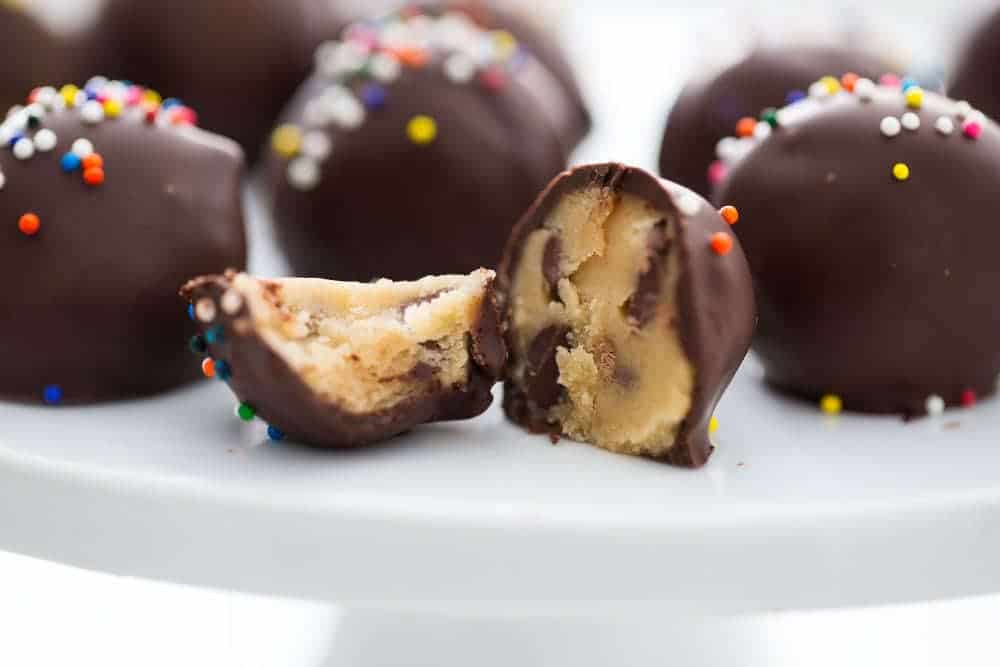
(550,265)
(641,306)
(542,376)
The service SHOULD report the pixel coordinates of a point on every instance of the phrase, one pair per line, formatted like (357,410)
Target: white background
(636,55)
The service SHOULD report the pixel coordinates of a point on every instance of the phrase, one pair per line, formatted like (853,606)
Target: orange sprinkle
(93,176)
(94,160)
(208,367)
(730,214)
(746,126)
(722,243)
(29,224)
(849,80)
(411,57)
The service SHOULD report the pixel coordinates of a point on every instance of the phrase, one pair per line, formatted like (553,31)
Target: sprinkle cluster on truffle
(24,133)
(750,132)
(360,68)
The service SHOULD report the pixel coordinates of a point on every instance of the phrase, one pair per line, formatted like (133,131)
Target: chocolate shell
(101,220)
(342,365)
(710,107)
(36,57)
(404,155)
(975,75)
(628,309)
(869,229)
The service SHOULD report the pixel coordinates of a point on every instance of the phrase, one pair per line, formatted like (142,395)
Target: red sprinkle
(494,78)
(722,243)
(94,160)
(717,172)
(208,367)
(746,126)
(848,81)
(972,129)
(93,176)
(29,224)
(730,214)
(969,398)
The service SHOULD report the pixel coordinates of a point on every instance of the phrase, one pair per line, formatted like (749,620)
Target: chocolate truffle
(236,61)
(975,76)
(869,229)
(333,364)
(413,150)
(628,308)
(105,207)
(35,56)
(711,107)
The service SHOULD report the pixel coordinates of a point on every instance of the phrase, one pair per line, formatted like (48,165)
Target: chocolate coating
(261,378)
(714,301)
(975,76)
(709,108)
(36,57)
(386,206)
(880,291)
(236,61)
(91,305)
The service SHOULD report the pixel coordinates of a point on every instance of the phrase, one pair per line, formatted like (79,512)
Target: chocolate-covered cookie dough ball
(413,149)
(35,57)
(711,108)
(628,308)
(975,76)
(869,227)
(334,364)
(236,61)
(107,202)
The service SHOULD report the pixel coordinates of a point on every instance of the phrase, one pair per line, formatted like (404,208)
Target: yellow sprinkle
(506,43)
(713,425)
(152,96)
(112,108)
(422,130)
(69,93)
(832,84)
(915,97)
(286,140)
(901,171)
(831,405)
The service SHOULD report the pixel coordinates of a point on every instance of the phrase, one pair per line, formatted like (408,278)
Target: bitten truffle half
(629,308)
(413,149)
(340,365)
(874,248)
(108,201)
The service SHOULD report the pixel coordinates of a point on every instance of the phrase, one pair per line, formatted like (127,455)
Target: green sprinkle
(246,412)
(770,116)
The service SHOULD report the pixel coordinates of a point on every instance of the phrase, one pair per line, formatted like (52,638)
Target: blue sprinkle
(91,95)
(223,371)
(373,95)
(14,139)
(795,96)
(215,335)
(275,433)
(191,311)
(70,162)
(52,394)
(170,102)
(909,82)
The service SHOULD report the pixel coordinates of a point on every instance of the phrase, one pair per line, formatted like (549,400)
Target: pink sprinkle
(717,172)
(363,36)
(33,97)
(969,398)
(102,97)
(133,96)
(891,80)
(972,129)
(494,78)
(183,116)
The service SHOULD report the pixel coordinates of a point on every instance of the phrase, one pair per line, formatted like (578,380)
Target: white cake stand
(478,537)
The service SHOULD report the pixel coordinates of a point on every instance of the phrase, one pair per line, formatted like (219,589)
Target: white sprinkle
(204,310)
(935,406)
(46,96)
(45,140)
(334,59)
(726,148)
(3,180)
(92,112)
(96,82)
(348,112)
(911,121)
(762,130)
(79,99)
(24,149)
(864,89)
(819,90)
(460,68)
(384,67)
(890,126)
(962,109)
(7,133)
(303,173)
(17,108)
(82,148)
(231,302)
(317,145)
(35,110)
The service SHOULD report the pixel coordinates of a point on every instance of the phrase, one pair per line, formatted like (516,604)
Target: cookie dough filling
(593,310)
(340,364)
